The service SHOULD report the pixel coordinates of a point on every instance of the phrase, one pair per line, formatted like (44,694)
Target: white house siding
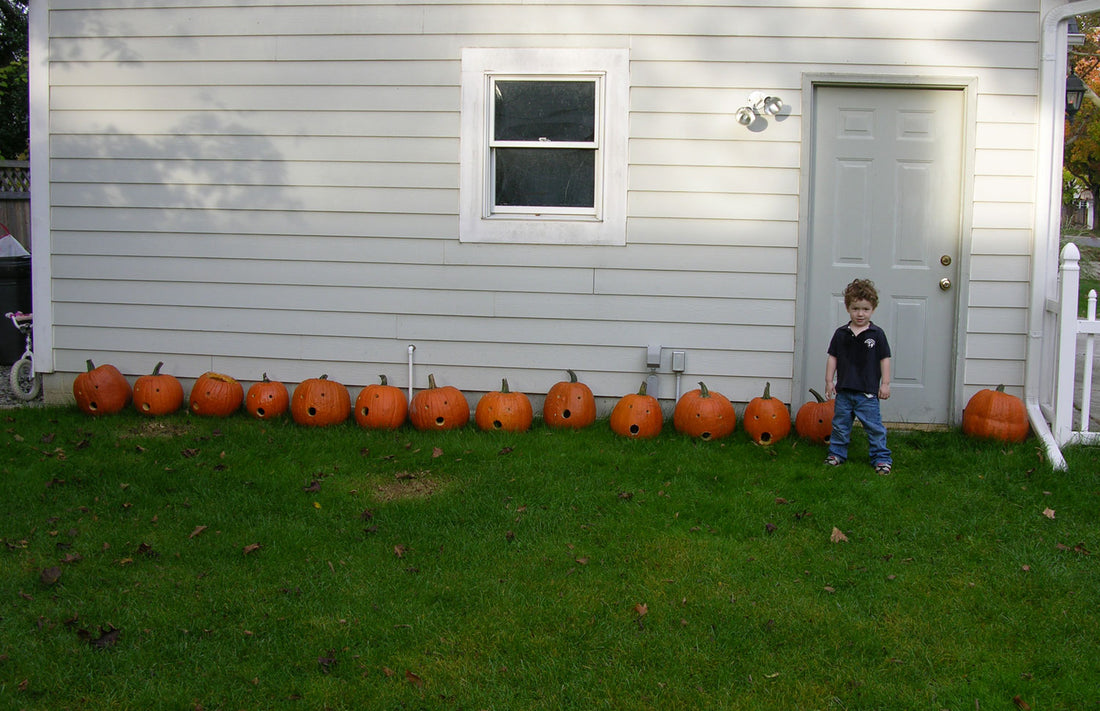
(274,186)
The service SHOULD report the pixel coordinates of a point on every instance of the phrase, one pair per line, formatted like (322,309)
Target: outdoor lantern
(1075,94)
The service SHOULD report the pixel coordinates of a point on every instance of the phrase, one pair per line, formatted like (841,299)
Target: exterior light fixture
(1075,94)
(760,104)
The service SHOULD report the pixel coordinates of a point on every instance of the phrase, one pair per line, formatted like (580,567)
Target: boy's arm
(884,384)
(830,377)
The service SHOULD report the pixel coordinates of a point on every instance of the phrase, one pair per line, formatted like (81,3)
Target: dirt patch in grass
(407,485)
(156,429)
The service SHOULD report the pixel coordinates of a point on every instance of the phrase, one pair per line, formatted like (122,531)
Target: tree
(1081,156)
(14,105)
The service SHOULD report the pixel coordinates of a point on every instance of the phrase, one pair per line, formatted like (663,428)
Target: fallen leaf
(387,671)
(1049,513)
(838,536)
(781,501)
(197,531)
(505,450)
(251,548)
(769,527)
(106,638)
(641,609)
(313,486)
(436,452)
(399,550)
(50,575)
(413,679)
(326,663)
(1021,704)
(830,590)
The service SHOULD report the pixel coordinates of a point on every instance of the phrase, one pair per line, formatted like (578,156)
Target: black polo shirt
(859,358)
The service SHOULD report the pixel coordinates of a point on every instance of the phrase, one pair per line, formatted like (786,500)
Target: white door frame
(810,361)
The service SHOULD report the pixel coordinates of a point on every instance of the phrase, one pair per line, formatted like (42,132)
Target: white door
(885,205)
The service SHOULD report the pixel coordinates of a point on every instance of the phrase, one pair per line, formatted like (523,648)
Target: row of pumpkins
(320,402)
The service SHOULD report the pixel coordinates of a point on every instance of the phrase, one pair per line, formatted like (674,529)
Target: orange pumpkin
(814,420)
(504,410)
(102,390)
(995,414)
(319,402)
(569,404)
(704,414)
(381,406)
(767,419)
(637,415)
(158,393)
(439,408)
(216,395)
(267,399)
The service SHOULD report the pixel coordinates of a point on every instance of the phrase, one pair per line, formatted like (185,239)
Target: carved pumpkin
(102,390)
(767,419)
(267,399)
(637,415)
(319,402)
(158,393)
(995,414)
(216,395)
(704,414)
(503,410)
(569,404)
(381,406)
(814,420)
(439,408)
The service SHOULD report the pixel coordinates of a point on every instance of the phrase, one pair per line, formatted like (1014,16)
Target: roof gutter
(1048,215)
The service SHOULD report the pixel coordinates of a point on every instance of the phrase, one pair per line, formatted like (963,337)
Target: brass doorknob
(945,284)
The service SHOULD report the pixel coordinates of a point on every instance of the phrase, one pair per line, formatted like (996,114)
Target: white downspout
(411,349)
(1048,215)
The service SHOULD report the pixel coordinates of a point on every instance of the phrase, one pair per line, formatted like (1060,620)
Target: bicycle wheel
(25,383)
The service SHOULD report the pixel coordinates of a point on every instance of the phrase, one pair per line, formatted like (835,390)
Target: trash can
(15,295)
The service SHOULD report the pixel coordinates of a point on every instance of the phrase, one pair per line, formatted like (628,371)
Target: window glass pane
(554,110)
(545,177)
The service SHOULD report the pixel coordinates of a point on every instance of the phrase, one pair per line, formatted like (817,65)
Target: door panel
(885,205)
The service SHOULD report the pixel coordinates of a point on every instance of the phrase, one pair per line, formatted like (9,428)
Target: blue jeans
(850,405)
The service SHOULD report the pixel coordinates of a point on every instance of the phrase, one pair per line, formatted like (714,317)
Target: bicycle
(25,383)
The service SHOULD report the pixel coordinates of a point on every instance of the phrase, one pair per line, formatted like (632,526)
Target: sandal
(882,468)
(833,461)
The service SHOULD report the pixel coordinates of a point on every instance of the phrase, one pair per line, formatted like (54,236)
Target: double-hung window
(544,146)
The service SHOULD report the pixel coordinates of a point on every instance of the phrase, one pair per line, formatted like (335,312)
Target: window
(544,146)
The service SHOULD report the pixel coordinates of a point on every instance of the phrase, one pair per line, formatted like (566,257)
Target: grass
(233,564)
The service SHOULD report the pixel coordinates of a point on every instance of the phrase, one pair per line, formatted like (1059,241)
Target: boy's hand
(830,391)
(884,391)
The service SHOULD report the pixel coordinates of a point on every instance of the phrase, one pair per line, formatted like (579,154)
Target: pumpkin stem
(504,385)
(572,376)
(323,377)
(703,392)
(817,395)
(431,381)
(383,379)
(156,370)
(767,391)
(641,390)
(265,378)
(91,365)
(1000,388)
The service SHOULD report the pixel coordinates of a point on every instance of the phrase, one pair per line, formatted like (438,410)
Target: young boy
(857,374)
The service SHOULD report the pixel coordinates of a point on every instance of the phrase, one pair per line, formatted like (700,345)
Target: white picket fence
(1067,401)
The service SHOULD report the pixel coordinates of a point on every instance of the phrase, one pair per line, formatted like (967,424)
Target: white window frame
(605,224)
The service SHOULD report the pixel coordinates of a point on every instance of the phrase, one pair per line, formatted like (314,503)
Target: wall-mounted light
(1075,94)
(760,104)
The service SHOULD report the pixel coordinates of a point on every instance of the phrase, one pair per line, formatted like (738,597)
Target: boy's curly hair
(861,289)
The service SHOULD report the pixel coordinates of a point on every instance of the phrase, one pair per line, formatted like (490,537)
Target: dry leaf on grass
(1049,513)
(838,536)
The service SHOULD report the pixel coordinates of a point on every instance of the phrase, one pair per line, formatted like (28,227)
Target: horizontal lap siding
(257,186)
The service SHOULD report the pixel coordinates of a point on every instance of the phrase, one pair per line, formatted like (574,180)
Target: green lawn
(184,563)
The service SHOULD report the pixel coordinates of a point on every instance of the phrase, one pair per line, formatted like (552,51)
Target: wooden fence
(1066,374)
(15,199)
